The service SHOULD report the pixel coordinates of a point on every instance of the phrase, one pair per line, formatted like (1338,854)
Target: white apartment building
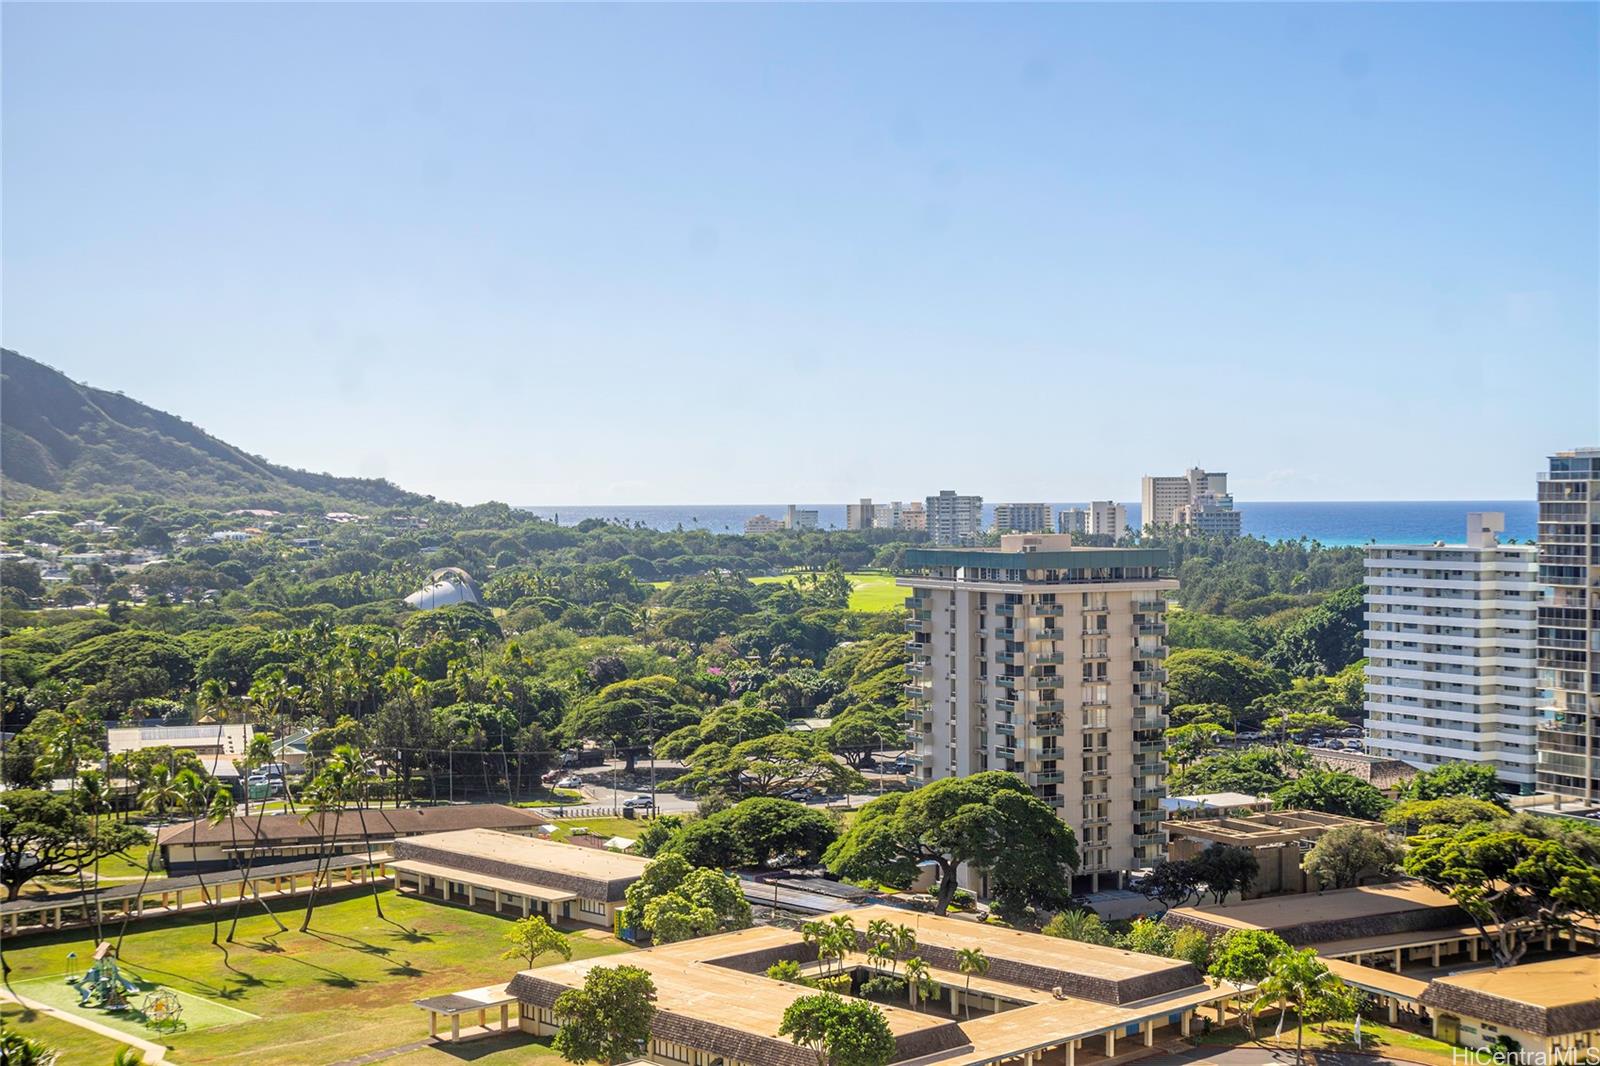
(1045,660)
(1022,517)
(1199,500)
(954,519)
(1106,518)
(1569,626)
(1072,520)
(799,518)
(1450,644)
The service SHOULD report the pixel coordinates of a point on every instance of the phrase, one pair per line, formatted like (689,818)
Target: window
(592,906)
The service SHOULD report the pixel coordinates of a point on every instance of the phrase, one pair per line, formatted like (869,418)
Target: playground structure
(102,984)
(163,1010)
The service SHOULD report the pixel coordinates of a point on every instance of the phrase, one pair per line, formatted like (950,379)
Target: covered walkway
(173,895)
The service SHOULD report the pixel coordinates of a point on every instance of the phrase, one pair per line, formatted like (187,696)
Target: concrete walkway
(154,1054)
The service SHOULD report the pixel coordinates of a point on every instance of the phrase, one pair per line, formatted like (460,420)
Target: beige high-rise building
(1045,660)
(1022,517)
(860,515)
(953,519)
(1199,499)
(913,516)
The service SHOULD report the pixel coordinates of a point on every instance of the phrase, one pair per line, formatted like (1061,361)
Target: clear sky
(726,254)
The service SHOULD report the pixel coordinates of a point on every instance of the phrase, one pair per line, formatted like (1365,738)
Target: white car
(570,781)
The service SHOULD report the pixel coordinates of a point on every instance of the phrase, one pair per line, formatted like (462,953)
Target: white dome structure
(445,586)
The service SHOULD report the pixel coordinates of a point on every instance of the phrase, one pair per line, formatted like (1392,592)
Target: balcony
(916,692)
(1008,610)
(1150,606)
(1005,633)
(1150,747)
(1150,699)
(1149,629)
(916,647)
(1053,800)
(1053,657)
(1050,706)
(1005,729)
(1005,752)
(1047,777)
(1150,653)
(1010,658)
(1145,840)
(1157,676)
(1051,634)
(1053,730)
(1049,610)
(1149,793)
(1006,681)
(1150,721)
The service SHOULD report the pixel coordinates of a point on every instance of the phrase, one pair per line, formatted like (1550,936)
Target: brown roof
(712,992)
(1550,998)
(585,872)
(1342,914)
(381,824)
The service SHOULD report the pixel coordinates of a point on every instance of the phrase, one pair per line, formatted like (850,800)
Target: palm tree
(194,799)
(879,930)
(218,810)
(158,797)
(92,789)
(325,795)
(258,754)
(903,941)
(917,979)
(352,767)
(973,963)
(1295,979)
(842,930)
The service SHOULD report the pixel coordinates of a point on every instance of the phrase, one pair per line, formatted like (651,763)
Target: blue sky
(662,254)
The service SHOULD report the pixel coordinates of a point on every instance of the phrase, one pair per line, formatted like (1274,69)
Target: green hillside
(62,439)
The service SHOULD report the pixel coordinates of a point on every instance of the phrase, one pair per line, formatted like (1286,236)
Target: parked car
(639,803)
(570,781)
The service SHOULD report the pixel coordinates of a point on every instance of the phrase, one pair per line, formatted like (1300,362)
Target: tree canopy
(987,820)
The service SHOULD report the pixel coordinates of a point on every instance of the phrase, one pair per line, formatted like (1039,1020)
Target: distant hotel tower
(1046,660)
(1198,501)
(1569,625)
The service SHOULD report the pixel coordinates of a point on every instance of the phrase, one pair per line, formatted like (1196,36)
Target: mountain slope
(62,439)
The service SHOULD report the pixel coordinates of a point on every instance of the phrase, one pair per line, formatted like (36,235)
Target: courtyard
(341,990)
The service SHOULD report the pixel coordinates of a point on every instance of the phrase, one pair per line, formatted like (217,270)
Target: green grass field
(75,1046)
(870,590)
(342,989)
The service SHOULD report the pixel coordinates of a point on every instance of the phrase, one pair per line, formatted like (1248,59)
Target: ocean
(1332,523)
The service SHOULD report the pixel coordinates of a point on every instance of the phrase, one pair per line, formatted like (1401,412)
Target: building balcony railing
(1047,777)
(1054,800)
(1005,729)
(1049,610)
(1150,629)
(1141,840)
(1005,633)
(1150,721)
(1150,793)
(1050,658)
(1050,706)
(1007,610)
(1049,730)
(1051,634)
(1006,752)
(1150,747)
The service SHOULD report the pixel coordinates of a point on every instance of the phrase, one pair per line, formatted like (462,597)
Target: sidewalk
(154,1054)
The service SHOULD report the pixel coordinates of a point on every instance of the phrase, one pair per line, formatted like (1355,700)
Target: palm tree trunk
(249,864)
(366,839)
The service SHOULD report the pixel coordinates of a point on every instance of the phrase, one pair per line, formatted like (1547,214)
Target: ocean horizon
(1331,522)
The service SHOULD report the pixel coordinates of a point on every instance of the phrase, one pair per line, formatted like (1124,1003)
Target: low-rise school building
(1043,1000)
(1546,1007)
(517,875)
(189,847)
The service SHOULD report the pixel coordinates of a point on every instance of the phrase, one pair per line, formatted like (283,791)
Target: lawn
(870,590)
(78,1047)
(341,990)
(602,827)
